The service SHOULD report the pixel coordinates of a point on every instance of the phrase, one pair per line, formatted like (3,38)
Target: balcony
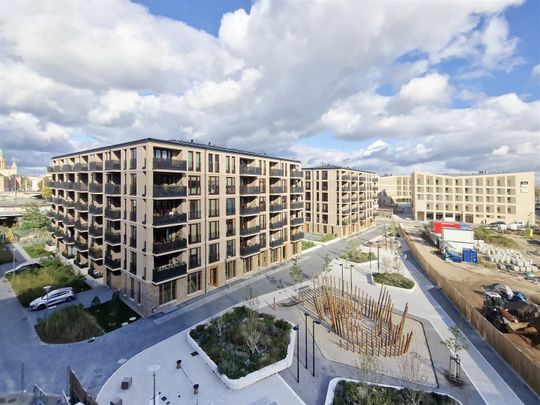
(112,189)
(95,188)
(95,166)
(69,221)
(112,238)
(96,231)
(276,172)
(67,168)
(278,190)
(51,229)
(277,224)
(95,253)
(345,177)
(81,226)
(170,190)
(297,205)
(69,203)
(250,231)
(174,219)
(250,171)
(277,207)
(113,214)
(58,234)
(68,239)
(95,210)
(113,264)
(346,201)
(249,190)
(169,271)
(276,242)
(297,173)
(249,250)
(171,246)
(249,210)
(80,206)
(81,245)
(297,190)
(345,212)
(170,164)
(297,236)
(68,255)
(345,189)
(112,165)
(297,221)
(81,167)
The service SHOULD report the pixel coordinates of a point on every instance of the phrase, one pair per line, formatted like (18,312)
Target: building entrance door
(213,276)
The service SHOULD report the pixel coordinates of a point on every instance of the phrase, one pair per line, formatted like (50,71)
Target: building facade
(476,199)
(394,190)
(339,201)
(164,221)
(8,175)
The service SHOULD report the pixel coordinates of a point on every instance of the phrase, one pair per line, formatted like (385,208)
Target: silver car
(52,298)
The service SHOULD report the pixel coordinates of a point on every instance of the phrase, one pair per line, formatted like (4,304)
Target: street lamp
(306,315)
(153,369)
(378,259)
(313,347)
(342,286)
(297,329)
(13,250)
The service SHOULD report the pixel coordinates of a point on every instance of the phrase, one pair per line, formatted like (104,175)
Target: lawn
(495,238)
(243,340)
(348,393)
(67,325)
(358,256)
(36,251)
(5,254)
(28,285)
(328,238)
(393,279)
(307,244)
(110,315)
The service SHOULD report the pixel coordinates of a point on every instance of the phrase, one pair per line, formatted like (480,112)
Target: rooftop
(335,167)
(480,173)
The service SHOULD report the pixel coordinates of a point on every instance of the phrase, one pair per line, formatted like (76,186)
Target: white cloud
(501,151)
(535,72)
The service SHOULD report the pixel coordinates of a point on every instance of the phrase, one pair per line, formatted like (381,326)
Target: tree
(327,264)
(251,332)
(411,370)
(297,274)
(367,367)
(33,218)
(456,342)
(386,264)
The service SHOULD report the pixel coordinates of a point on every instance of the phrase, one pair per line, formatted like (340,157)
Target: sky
(388,86)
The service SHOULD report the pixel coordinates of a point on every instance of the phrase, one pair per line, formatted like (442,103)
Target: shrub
(36,251)
(307,244)
(5,255)
(393,279)
(328,238)
(489,236)
(358,256)
(70,324)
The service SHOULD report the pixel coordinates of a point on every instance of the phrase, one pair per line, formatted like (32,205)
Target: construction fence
(526,367)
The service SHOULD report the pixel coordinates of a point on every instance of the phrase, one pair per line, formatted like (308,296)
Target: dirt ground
(469,278)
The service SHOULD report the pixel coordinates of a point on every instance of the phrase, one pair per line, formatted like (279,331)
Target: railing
(112,213)
(249,250)
(81,245)
(278,190)
(95,188)
(170,164)
(249,231)
(95,166)
(345,189)
(345,212)
(69,239)
(277,225)
(276,172)
(297,173)
(95,253)
(346,201)
(297,190)
(81,226)
(169,271)
(69,203)
(96,231)
(250,190)
(81,206)
(277,207)
(112,238)
(68,255)
(172,190)
(112,188)
(254,171)
(69,221)
(67,168)
(80,187)
(297,236)
(113,264)
(112,165)
(81,167)
(94,209)
(249,210)
(345,177)
(297,221)
(297,205)
(276,242)
(169,219)
(212,258)
(163,247)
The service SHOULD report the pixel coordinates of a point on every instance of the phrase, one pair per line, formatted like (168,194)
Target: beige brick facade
(394,190)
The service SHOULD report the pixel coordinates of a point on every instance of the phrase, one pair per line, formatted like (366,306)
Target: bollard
(178,364)
(195,389)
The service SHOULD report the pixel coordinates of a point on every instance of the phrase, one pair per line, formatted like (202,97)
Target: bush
(243,340)
(307,244)
(328,238)
(36,251)
(393,279)
(489,236)
(358,256)
(70,324)
(5,255)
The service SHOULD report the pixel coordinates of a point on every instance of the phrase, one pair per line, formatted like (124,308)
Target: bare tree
(251,333)
(367,367)
(386,264)
(412,369)
(251,301)
(456,342)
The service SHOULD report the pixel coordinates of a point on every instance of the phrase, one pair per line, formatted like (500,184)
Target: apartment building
(339,201)
(394,190)
(476,199)
(163,221)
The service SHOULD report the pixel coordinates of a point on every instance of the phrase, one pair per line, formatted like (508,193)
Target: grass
(393,279)
(357,256)
(307,244)
(5,255)
(495,238)
(328,238)
(110,315)
(348,393)
(70,324)
(484,261)
(535,299)
(29,284)
(243,340)
(36,251)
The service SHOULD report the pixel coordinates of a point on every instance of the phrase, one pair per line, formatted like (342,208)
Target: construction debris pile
(505,259)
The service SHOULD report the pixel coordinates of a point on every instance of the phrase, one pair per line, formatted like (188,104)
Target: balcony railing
(79,206)
(276,172)
(297,205)
(249,250)
(96,231)
(81,167)
(277,224)
(81,226)
(80,187)
(172,190)
(249,210)
(95,188)
(278,190)
(247,190)
(213,257)
(253,171)
(345,189)
(81,245)
(169,271)
(113,264)
(276,242)
(297,221)
(112,165)
(170,219)
(345,177)
(80,264)
(96,210)
(69,239)
(69,221)
(112,213)
(171,246)
(297,236)
(67,168)
(297,190)
(96,254)
(112,238)
(95,166)
(170,164)
(250,231)
(69,203)
(277,207)
(297,173)
(112,188)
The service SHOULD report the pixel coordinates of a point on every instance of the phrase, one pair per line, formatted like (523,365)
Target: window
(194,209)
(167,292)
(210,162)
(227,164)
(230,270)
(230,206)
(216,163)
(132,288)
(190,161)
(233,164)
(213,185)
(230,228)
(194,257)
(194,282)
(213,208)
(213,232)
(231,248)
(161,154)
(194,233)
(213,253)
(194,185)
(198,161)
(230,188)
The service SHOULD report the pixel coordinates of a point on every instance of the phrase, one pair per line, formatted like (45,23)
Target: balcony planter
(169,246)
(170,219)
(170,190)
(169,271)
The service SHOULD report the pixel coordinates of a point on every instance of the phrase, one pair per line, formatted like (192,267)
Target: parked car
(517,225)
(22,267)
(52,298)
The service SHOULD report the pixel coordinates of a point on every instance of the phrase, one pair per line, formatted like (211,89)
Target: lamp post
(313,346)
(153,369)
(342,286)
(297,329)
(306,315)
(378,259)
(47,288)
(370,256)
(13,250)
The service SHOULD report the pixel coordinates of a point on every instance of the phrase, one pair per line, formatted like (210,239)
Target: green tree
(33,218)
(327,264)
(456,342)
(297,274)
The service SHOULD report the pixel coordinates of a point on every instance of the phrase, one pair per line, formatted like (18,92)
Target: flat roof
(472,174)
(335,167)
(175,142)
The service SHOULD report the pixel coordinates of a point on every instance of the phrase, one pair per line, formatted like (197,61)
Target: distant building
(394,190)
(8,175)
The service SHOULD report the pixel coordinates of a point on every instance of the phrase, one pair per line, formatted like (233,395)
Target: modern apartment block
(163,221)
(477,198)
(394,190)
(339,201)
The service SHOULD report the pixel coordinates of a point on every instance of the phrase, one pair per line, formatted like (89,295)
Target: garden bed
(357,256)
(28,285)
(244,346)
(342,391)
(68,325)
(393,280)
(36,251)
(112,314)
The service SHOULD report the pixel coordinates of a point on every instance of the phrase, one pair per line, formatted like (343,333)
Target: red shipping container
(437,226)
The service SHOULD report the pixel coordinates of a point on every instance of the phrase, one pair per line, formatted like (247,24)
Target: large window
(230,270)
(194,185)
(213,230)
(216,163)
(213,185)
(194,257)
(210,162)
(194,282)
(230,189)
(231,210)
(230,227)
(194,209)
(162,154)
(194,233)
(213,253)
(198,161)
(231,248)
(213,208)
(167,292)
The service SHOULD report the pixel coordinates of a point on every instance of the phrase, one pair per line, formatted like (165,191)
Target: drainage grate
(194,353)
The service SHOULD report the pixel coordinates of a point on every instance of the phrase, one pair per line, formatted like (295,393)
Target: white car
(52,298)
(517,225)
(22,267)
